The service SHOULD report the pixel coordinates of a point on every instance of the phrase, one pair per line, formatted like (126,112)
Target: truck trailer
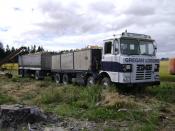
(36,64)
(126,59)
(78,66)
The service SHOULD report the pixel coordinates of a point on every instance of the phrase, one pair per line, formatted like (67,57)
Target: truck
(126,59)
(35,64)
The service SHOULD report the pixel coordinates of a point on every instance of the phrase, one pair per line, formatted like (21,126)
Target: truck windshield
(137,47)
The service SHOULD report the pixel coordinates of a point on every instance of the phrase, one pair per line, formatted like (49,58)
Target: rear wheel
(58,78)
(38,75)
(21,73)
(106,82)
(8,75)
(25,73)
(66,79)
(90,81)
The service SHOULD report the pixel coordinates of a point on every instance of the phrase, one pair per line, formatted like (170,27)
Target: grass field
(141,111)
(164,72)
(153,109)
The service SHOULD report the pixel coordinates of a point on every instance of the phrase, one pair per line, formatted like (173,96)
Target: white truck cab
(130,59)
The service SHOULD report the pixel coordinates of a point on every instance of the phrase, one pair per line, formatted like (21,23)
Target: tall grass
(70,95)
(83,103)
(165,92)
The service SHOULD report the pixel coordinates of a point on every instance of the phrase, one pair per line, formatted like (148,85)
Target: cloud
(103,7)
(17,9)
(66,20)
(4,29)
(57,24)
(141,8)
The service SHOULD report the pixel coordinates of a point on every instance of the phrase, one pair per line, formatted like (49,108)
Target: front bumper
(141,84)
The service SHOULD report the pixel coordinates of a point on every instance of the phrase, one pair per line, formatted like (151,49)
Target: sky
(68,24)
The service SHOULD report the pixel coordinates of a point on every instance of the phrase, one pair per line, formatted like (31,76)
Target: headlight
(127,68)
(156,68)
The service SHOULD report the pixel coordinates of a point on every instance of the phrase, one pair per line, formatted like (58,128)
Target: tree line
(5,51)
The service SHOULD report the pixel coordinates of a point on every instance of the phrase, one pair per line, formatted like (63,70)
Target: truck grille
(143,72)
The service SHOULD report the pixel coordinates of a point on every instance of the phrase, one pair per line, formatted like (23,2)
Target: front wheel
(106,82)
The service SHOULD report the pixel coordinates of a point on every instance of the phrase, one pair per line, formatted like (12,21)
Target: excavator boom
(11,56)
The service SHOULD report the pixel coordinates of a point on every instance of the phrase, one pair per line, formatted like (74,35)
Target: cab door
(110,59)
(116,64)
(107,55)
(115,57)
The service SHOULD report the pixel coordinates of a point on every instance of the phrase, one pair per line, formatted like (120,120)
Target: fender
(102,74)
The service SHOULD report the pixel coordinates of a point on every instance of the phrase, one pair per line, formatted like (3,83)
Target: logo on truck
(141,60)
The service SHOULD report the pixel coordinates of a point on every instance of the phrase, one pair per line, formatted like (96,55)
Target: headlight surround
(156,67)
(126,79)
(126,67)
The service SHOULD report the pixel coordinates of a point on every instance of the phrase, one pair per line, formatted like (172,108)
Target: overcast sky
(67,24)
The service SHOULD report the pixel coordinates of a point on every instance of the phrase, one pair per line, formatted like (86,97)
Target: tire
(90,81)
(26,73)
(58,78)
(66,79)
(38,75)
(8,75)
(106,82)
(21,73)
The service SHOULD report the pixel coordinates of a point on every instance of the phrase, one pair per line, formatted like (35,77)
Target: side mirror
(155,47)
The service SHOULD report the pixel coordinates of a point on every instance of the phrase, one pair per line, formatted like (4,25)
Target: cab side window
(108,48)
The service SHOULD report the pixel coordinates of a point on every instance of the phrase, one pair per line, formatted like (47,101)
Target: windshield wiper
(133,54)
(130,54)
(146,54)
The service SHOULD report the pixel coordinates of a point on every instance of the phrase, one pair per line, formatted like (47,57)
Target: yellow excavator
(12,66)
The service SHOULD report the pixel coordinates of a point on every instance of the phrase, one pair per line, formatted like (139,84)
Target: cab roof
(130,35)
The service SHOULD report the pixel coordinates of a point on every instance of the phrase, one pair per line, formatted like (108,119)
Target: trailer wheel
(58,78)
(21,73)
(8,75)
(90,81)
(38,75)
(66,79)
(106,82)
